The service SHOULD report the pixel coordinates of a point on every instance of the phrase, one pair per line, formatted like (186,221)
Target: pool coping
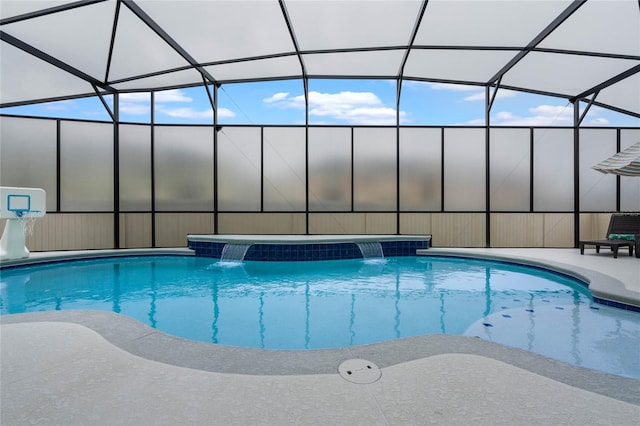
(296,239)
(61,256)
(143,341)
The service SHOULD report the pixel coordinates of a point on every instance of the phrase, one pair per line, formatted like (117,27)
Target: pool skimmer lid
(359,371)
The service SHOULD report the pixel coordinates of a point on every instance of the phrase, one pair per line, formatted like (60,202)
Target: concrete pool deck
(79,367)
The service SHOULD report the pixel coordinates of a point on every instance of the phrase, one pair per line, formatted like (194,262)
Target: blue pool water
(329,304)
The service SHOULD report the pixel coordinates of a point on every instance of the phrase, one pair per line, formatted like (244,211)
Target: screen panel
(239,169)
(629,185)
(329,169)
(420,169)
(553,170)
(135,168)
(183,168)
(597,190)
(28,155)
(374,169)
(510,169)
(464,170)
(86,166)
(284,169)
(369,63)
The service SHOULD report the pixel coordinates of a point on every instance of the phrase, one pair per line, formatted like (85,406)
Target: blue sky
(343,102)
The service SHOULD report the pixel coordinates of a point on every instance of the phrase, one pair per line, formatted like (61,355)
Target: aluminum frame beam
(538,39)
(142,15)
(27,48)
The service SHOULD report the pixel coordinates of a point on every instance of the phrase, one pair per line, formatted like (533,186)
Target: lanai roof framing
(580,50)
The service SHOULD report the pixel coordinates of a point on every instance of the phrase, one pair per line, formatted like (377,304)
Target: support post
(487,183)
(576,173)
(116,171)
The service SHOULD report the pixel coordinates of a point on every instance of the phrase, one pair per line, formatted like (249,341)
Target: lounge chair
(624,231)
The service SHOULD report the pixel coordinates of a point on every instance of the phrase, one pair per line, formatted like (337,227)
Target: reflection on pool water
(330,304)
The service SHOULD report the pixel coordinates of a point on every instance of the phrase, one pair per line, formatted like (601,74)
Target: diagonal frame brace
(586,110)
(296,46)
(570,10)
(104,103)
(31,50)
(613,80)
(495,92)
(142,15)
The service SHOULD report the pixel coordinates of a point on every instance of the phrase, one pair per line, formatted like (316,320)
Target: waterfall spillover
(371,249)
(234,252)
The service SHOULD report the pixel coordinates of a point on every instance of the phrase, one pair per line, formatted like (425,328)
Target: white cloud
(59,105)
(599,121)
(277,97)
(544,115)
(191,113)
(282,100)
(475,97)
(348,107)
(174,95)
(139,104)
(72,106)
(225,113)
(380,116)
(100,114)
(505,115)
(541,115)
(475,122)
(135,97)
(552,110)
(133,108)
(479,94)
(592,118)
(187,112)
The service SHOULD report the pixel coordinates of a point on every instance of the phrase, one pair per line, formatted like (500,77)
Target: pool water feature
(370,249)
(234,251)
(330,304)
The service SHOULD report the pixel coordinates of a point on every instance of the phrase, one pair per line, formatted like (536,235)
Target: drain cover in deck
(359,371)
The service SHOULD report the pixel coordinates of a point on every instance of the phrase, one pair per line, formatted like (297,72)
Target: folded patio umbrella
(626,162)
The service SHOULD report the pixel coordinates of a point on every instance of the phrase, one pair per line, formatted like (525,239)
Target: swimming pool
(329,304)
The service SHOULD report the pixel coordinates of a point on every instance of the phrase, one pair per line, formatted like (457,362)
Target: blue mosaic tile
(207,249)
(615,305)
(304,252)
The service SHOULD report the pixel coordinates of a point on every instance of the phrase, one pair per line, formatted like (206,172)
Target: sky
(335,102)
